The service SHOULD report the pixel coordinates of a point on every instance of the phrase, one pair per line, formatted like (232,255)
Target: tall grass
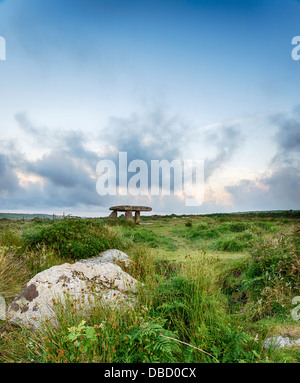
(14,273)
(182,311)
(180,316)
(273,276)
(197,311)
(265,283)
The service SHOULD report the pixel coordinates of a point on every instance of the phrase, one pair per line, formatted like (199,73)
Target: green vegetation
(73,238)
(213,289)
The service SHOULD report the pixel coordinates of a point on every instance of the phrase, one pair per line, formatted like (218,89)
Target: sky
(208,80)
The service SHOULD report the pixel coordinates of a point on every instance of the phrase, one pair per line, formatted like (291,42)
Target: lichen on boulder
(81,282)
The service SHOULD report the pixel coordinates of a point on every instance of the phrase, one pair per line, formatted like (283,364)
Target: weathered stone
(113,215)
(128,215)
(83,282)
(130,208)
(111,255)
(280,342)
(137,217)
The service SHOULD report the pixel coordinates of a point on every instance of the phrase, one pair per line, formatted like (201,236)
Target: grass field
(220,283)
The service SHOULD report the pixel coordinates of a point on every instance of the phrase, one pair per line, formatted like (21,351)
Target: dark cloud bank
(280,187)
(68,166)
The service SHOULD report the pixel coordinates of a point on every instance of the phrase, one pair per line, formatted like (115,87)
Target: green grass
(213,289)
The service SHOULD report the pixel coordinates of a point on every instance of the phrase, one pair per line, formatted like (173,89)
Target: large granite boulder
(82,283)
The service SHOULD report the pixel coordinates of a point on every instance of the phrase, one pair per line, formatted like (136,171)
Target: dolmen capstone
(128,209)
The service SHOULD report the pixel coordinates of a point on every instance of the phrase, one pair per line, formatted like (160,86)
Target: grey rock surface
(112,255)
(82,282)
(280,342)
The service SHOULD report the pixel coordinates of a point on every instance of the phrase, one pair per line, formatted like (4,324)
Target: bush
(75,238)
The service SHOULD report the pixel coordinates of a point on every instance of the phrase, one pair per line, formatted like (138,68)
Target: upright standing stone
(137,216)
(128,216)
(114,214)
(128,209)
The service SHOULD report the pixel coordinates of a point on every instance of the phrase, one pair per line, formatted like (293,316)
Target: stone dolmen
(128,212)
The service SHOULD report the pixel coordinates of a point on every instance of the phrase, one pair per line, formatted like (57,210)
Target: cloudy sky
(210,80)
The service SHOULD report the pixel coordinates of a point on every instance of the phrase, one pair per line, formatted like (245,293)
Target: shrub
(75,238)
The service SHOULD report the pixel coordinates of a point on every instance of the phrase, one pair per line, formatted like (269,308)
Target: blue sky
(160,79)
